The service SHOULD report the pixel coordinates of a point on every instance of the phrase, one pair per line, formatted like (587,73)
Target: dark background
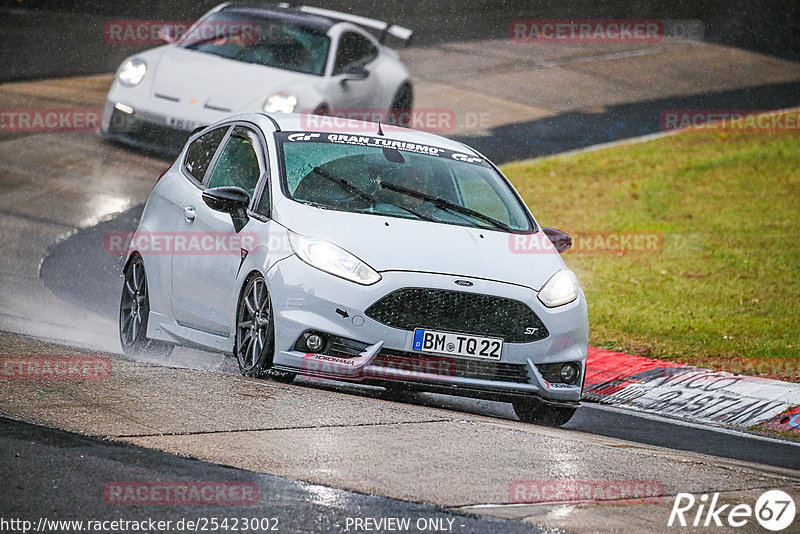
(41,38)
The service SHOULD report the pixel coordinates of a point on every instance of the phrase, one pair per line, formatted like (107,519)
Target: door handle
(189,213)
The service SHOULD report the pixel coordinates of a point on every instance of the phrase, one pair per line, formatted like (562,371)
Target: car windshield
(376,175)
(260,40)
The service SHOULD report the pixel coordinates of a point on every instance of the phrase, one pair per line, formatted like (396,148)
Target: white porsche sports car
(387,256)
(241,58)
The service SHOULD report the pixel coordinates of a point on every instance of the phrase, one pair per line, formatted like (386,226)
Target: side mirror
(355,73)
(231,200)
(561,240)
(168,34)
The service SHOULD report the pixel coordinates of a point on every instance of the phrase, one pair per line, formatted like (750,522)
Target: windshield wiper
(446,205)
(367,195)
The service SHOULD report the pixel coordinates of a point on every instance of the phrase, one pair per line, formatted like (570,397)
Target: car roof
(296,122)
(290,15)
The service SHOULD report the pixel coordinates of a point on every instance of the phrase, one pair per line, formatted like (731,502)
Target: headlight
(562,288)
(280,103)
(132,72)
(327,257)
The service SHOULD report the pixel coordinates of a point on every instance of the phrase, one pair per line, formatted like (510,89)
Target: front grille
(460,312)
(160,137)
(414,364)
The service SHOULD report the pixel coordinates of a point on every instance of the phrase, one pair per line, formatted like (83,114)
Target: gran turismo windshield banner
(380,142)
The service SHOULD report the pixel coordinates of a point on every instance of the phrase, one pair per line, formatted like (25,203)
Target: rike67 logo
(774,510)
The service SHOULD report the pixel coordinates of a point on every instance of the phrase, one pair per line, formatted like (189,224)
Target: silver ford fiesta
(361,252)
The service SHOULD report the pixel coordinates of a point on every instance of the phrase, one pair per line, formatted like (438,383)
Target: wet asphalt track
(72,471)
(80,262)
(58,466)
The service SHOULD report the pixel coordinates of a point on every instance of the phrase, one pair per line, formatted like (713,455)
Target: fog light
(315,342)
(569,373)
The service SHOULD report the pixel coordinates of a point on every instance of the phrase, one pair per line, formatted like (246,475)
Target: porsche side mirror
(561,240)
(231,200)
(355,73)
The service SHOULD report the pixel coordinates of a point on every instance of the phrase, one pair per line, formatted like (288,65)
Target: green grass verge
(724,290)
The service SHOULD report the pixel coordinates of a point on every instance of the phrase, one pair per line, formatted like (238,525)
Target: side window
(201,152)
(354,49)
(263,202)
(237,164)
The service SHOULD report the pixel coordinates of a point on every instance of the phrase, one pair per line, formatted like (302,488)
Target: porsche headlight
(327,257)
(280,103)
(132,72)
(562,288)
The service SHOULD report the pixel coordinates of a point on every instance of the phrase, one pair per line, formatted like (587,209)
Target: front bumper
(144,131)
(305,298)
(155,124)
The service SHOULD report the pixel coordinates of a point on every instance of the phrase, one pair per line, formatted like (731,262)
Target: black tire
(539,413)
(134,311)
(254,346)
(400,111)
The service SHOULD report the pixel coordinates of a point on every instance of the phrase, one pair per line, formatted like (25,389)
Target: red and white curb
(691,393)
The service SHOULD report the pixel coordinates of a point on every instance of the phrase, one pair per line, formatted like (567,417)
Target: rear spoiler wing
(386,29)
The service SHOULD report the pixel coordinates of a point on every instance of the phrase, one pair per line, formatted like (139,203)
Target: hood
(412,245)
(221,84)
